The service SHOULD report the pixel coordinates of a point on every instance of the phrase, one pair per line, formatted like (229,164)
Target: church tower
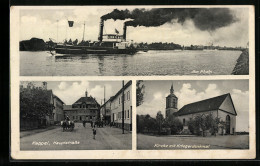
(171,103)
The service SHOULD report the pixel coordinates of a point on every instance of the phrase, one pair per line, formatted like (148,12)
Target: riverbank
(242,65)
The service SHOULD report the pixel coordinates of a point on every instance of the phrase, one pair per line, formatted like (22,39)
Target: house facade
(58,113)
(117,114)
(85,108)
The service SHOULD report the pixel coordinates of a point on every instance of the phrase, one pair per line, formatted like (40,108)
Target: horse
(67,125)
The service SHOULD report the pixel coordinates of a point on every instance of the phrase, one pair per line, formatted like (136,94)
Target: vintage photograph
(197,114)
(76,115)
(133,41)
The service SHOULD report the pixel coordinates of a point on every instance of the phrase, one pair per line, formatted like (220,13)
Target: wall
(116,109)
(58,111)
(190,116)
(222,115)
(81,114)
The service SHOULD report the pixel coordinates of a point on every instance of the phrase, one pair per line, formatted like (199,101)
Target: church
(220,107)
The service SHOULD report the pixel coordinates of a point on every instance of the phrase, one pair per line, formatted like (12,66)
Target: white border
(134,153)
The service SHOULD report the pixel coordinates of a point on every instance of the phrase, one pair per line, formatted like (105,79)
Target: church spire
(86,93)
(171,90)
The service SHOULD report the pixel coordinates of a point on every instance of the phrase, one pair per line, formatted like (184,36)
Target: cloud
(188,95)
(63,85)
(43,24)
(70,93)
(153,106)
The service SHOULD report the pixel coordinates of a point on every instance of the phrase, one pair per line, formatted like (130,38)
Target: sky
(52,23)
(192,91)
(70,91)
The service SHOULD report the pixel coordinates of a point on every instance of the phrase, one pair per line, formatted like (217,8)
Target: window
(128,114)
(125,115)
(119,100)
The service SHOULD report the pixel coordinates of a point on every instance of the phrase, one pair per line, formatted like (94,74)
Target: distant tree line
(159,46)
(158,125)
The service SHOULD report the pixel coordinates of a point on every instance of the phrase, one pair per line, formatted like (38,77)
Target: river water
(196,62)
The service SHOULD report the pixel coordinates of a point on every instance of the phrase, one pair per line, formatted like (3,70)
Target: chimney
(44,85)
(100,36)
(124,32)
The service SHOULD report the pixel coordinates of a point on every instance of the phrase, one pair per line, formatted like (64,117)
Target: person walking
(94,133)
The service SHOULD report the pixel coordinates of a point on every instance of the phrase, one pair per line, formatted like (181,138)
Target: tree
(159,120)
(139,92)
(173,123)
(203,122)
(34,103)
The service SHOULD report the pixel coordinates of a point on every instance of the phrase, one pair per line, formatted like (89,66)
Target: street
(179,142)
(79,139)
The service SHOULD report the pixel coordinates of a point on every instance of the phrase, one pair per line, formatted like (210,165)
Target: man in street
(94,133)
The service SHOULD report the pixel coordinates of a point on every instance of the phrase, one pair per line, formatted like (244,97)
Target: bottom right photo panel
(192,114)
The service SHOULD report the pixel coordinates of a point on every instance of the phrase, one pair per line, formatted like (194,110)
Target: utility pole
(57,31)
(123,102)
(83,32)
(105,102)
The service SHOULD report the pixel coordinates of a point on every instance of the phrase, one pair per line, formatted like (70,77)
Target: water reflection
(150,63)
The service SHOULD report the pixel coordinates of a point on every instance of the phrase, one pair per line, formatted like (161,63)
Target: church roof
(171,95)
(203,105)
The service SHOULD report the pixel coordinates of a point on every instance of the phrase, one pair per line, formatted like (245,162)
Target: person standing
(94,133)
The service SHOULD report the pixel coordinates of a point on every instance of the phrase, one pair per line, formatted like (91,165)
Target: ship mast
(83,32)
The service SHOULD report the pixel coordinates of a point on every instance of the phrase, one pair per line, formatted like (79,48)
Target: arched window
(227,124)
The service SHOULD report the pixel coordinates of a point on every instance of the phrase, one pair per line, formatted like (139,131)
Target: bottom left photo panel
(75,115)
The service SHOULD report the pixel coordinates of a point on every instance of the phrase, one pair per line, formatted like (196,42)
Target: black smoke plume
(208,19)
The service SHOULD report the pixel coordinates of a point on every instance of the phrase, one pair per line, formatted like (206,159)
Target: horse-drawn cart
(67,125)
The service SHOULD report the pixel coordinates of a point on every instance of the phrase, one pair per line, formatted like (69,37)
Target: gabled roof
(107,101)
(58,98)
(86,100)
(203,105)
(120,91)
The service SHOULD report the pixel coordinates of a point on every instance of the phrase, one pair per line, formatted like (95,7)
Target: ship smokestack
(124,32)
(100,37)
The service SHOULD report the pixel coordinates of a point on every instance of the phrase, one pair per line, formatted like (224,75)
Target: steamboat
(106,44)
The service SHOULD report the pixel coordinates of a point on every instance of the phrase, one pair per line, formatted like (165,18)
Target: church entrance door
(227,124)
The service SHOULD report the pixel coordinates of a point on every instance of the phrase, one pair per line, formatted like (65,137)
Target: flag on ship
(71,23)
(116,31)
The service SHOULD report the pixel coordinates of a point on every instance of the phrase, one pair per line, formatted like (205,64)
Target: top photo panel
(134,41)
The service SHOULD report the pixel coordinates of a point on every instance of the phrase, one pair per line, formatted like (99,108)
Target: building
(221,107)
(171,103)
(105,111)
(117,114)
(85,108)
(58,113)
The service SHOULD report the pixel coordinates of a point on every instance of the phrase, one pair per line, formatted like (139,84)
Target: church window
(183,121)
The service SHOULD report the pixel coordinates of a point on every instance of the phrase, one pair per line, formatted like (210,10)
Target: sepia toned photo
(133,41)
(75,115)
(132,82)
(193,114)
